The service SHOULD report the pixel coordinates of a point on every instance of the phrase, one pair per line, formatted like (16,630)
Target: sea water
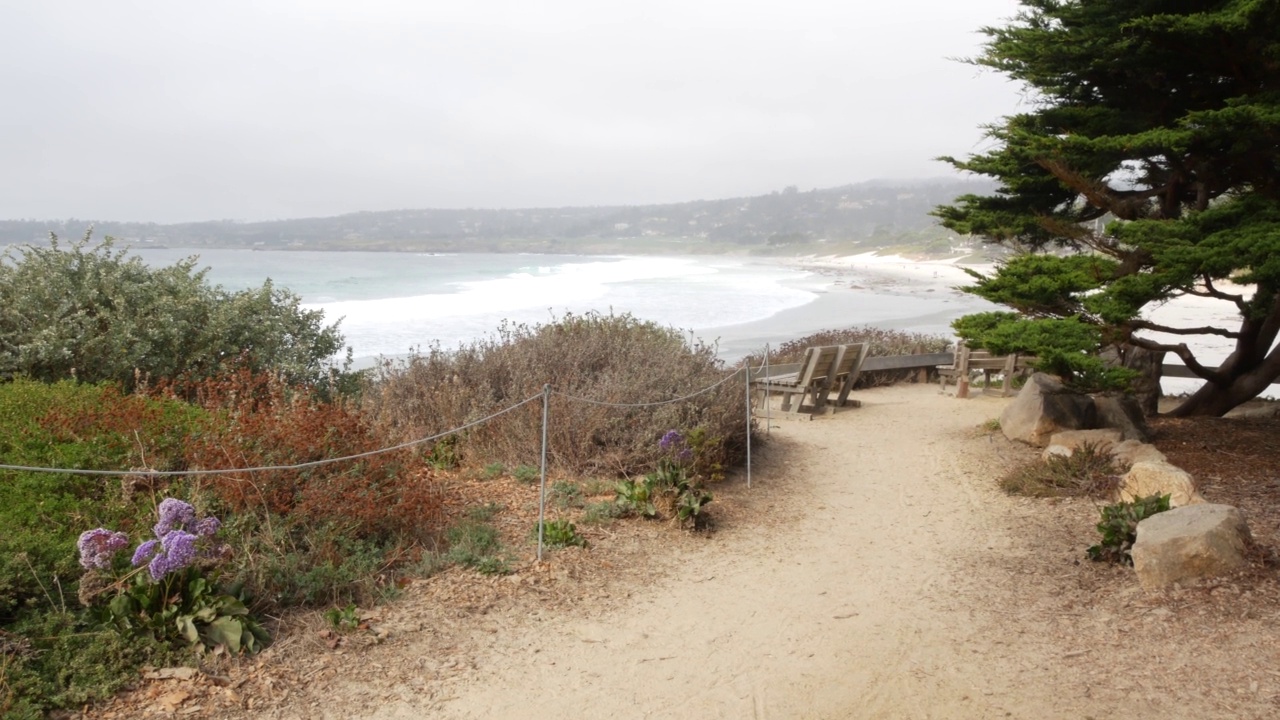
(390,304)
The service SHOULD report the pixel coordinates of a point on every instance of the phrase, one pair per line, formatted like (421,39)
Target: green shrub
(93,313)
(527,474)
(881,342)
(474,543)
(1119,527)
(560,533)
(609,358)
(602,513)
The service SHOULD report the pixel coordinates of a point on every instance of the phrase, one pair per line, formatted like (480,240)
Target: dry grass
(601,358)
(1089,471)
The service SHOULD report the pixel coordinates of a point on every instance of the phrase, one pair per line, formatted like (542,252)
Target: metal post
(747,371)
(767,421)
(542,492)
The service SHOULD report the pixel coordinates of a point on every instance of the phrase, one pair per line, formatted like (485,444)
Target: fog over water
(157,111)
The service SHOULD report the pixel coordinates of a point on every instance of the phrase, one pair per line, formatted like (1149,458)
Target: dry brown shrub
(601,358)
(882,343)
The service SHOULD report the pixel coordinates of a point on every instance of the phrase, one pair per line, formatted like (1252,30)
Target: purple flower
(672,439)
(174,515)
(208,526)
(178,550)
(144,552)
(98,546)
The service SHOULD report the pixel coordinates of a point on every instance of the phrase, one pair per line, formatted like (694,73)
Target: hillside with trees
(871,214)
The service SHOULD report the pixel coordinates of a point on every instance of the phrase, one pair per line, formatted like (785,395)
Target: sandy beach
(886,291)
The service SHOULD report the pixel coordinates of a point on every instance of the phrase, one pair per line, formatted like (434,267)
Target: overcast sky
(176,111)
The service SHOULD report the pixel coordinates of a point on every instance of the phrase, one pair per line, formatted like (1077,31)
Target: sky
(174,112)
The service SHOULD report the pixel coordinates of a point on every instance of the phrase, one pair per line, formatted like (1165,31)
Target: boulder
(1131,452)
(1122,413)
(1043,407)
(1104,438)
(1055,451)
(1189,542)
(1146,478)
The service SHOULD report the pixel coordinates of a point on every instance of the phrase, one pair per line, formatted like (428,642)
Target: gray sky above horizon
(264,110)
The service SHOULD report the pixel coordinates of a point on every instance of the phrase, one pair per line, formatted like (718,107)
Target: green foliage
(494,470)
(602,513)
(444,453)
(1119,527)
(1065,347)
(566,494)
(1160,120)
(560,533)
(344,619)
(184,606)
(1089,471)
(93,313)
(474,543)
(635,497)
(527,474)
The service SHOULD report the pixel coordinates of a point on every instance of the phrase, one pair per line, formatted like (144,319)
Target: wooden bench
(967,362)
(811,378)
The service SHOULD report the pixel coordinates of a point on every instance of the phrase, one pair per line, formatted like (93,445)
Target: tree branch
(1184,353)
(1216,293)
(1206,330)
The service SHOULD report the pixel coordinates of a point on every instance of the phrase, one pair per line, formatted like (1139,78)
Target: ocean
(392,303)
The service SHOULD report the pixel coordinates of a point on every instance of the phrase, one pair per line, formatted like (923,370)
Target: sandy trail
(834,604)
(873,571)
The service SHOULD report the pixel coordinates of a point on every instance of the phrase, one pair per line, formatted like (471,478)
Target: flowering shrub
(673,482)
(173,599)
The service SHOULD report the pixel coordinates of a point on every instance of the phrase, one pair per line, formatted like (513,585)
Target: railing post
(542,491)
(746,369)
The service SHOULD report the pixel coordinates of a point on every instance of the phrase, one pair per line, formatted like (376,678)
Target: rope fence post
(768,422)
(542,492)
(746,369)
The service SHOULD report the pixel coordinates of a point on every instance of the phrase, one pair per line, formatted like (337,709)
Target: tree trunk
(1216,400)
(1148,363)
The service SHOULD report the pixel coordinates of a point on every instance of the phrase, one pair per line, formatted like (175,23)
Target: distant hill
(870,214)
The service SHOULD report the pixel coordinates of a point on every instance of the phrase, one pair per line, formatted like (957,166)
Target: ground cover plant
(881,342)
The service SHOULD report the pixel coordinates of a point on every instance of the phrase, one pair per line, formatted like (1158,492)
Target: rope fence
(545,396)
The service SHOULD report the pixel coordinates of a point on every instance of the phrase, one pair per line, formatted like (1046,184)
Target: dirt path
(873,571)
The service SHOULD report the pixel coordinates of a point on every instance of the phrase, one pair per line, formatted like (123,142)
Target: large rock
(1122,413)
(1189,542)
(1146,478)
(1065,443)
(1131,452)
(1045,406)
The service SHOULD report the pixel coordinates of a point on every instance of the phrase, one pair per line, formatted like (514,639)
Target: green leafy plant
(344,619)
(689,507)
(635,496)
(561,533)
(601,513)
(566,494)
(444,453)
(1119,527)
(167,594)
(528,474)
(494,470)
(474,543)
